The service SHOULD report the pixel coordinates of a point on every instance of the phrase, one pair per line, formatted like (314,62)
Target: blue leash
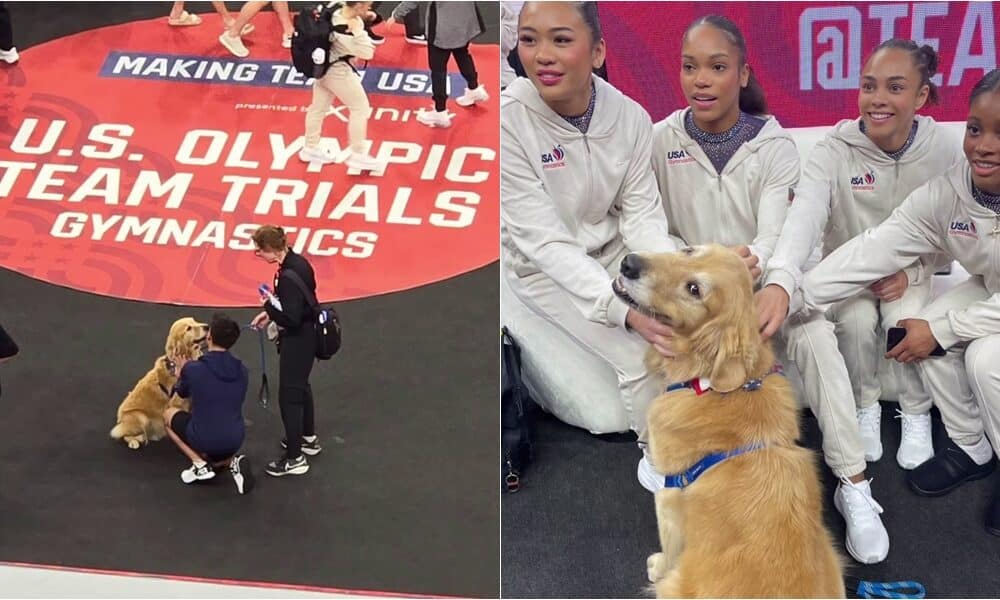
(887,589)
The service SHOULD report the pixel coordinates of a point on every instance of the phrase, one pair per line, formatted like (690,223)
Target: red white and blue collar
(702,385)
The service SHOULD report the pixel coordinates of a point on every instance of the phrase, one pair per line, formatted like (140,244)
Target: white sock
(980,452)
(309,438)
(199,463)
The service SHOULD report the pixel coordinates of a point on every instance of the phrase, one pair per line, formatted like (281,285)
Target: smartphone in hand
(896,335)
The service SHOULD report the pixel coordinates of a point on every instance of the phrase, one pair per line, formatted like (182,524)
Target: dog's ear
(730,368)
(737,351)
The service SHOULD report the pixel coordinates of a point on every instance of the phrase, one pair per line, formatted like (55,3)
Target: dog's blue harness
(701,386)
(682,480)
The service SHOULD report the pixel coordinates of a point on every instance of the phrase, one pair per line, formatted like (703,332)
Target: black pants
(6,34)
(438,60)
(412,21)
(295,399)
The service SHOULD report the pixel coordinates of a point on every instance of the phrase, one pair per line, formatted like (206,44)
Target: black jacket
(296,309)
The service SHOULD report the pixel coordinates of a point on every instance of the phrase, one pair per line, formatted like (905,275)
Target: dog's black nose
(631,266)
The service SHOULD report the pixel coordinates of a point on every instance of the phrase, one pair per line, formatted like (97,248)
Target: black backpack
(311,40)
(515,416)
(326,321)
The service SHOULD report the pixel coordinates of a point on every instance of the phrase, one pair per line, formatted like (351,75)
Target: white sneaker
(417,40)
(234,45)
(195,472)
(867,539)
(363,162)
(648,476)
(9,56)
(917,445)
(470,97)
(870,427)
(318,154)
(434,118)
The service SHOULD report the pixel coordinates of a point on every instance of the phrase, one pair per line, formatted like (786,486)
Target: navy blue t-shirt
(216,383)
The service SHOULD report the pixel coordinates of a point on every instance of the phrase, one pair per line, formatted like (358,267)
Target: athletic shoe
(284,466)
(916,446)
(234,45)
(320,154)
(470,97)
(870,427)
(376,38)
(242,474)
(434,118)
(9,56)
(311,448)
(195,472)
(946,470)
(867,539)
(363,162)
(648,476)
(417,40)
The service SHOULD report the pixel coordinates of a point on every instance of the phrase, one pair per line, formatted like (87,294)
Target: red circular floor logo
(136,161)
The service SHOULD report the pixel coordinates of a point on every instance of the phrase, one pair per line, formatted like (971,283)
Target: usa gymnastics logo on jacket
(964,229)
(864,183)
(555,159)
(678,157)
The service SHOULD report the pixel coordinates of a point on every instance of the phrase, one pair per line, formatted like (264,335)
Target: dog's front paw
(133,444)
(656,567)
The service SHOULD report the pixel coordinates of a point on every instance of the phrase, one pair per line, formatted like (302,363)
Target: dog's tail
(131,423)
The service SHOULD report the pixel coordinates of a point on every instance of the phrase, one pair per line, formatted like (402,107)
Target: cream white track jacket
(359,44)
(571,202)
(744,205)
(850,185)
(939,217)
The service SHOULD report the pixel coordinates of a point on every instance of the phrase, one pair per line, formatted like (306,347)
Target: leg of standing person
(315,115)
(231,37)
(414,24)
(437,59)
(179,17)
(474,91)
(346,86)
(8,53)
(295,364)
(285,18)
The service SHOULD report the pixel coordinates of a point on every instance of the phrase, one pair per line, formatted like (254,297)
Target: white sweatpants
(811,343)
(623,350)
(965,383)
(857,322)
(344,84)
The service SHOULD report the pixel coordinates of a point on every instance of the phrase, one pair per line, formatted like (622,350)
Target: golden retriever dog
(140,415)
(752,524)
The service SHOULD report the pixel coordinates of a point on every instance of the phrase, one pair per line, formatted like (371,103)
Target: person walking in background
(296,347)
(8,53)
(232,38)
(343,82)
(179,17)
(450,26)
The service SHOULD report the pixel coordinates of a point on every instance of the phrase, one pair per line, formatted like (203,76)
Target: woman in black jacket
(296,347)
